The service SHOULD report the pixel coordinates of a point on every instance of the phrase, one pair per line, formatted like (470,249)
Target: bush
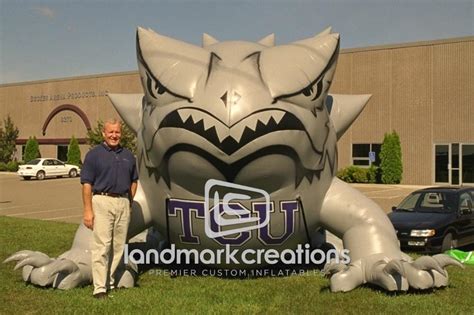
(74,152)
(3,167)
(373,174)
(32,149)
(353,174)
(12,166)
(343,174)
(8,136)
(359,175)
(391,159)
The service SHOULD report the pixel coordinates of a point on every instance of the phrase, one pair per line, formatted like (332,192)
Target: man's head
(112,132)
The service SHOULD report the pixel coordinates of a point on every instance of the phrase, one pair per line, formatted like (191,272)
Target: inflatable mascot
(237,149)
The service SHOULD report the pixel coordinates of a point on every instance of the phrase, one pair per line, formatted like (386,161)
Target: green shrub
(353,174)
(74,152)
(391,159)
(3,167)
(12,166)
(32,149)
(372,174)
(8,135)
(343,175)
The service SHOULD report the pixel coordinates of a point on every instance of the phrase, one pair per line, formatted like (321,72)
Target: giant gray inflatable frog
(252,115)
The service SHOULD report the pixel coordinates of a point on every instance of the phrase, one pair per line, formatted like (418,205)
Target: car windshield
(33,162)
(429,201)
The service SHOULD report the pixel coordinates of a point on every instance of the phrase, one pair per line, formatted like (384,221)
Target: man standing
(109,182)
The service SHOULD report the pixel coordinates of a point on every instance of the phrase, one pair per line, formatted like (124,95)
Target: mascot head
(249,113)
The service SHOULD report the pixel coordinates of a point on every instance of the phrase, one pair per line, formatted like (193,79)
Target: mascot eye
(311,97)
(311,91)
(158,94)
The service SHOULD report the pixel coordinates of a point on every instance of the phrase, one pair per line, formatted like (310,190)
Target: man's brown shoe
(100,295)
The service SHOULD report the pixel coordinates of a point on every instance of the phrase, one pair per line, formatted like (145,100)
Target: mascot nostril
(237,146)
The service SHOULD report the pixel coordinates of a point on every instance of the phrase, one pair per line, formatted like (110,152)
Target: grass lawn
(161,294)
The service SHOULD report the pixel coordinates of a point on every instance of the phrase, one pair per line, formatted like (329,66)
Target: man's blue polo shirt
(109,170)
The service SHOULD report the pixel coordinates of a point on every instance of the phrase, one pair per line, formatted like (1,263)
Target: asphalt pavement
(59,199)
(55,199)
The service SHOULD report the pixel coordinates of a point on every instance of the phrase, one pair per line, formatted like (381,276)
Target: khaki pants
(111,218)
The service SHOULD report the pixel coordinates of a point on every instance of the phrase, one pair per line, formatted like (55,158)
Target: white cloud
(45,11)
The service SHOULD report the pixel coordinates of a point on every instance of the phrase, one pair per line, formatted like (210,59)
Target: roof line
(342,51)
(410,44)
(83,77)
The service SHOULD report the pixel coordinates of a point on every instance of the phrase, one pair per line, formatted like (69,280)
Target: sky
(54,39)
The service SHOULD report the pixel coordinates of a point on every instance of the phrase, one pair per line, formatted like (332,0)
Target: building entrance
(62,153)
(454,163)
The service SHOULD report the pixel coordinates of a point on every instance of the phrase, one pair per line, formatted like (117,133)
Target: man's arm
(133,190)
(87,201)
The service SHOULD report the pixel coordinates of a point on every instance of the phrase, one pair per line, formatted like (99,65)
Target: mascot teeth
(230,139)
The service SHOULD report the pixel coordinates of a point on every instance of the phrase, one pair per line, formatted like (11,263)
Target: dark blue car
(435,219)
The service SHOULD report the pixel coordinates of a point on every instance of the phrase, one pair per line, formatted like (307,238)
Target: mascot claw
(392,275)
(71,269)
(41,270)
(62,273)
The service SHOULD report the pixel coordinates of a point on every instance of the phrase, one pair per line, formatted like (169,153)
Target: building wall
(424,91)
(30,105)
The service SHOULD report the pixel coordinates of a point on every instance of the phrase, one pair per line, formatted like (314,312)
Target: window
(409,203)
(23,147)
(465,202)
(441,163)
(366,154)
(33,162)
(62,153)
(432,200)
(56,162)
(468,163)
(454,163)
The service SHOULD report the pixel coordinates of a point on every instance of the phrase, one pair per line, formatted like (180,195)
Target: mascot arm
(375,253)
(73,268)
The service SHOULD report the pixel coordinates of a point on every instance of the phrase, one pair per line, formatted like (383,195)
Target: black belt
(110,194)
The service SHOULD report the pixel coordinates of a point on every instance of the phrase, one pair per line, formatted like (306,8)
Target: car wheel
(26,177)
(40,175)
(448,242)
(73,173)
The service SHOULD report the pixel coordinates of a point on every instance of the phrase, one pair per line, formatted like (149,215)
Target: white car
(45,167)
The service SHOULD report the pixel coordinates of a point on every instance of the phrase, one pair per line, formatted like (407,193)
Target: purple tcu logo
(261,211)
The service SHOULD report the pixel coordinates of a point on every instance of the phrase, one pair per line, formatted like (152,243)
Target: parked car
(435,219)
(45,167)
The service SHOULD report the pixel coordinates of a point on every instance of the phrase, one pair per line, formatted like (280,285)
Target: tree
(32,149)
(128,140)
(8,136)
(391,159)
(74,152)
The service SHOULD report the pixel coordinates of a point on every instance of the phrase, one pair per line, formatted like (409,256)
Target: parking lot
(59,199)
